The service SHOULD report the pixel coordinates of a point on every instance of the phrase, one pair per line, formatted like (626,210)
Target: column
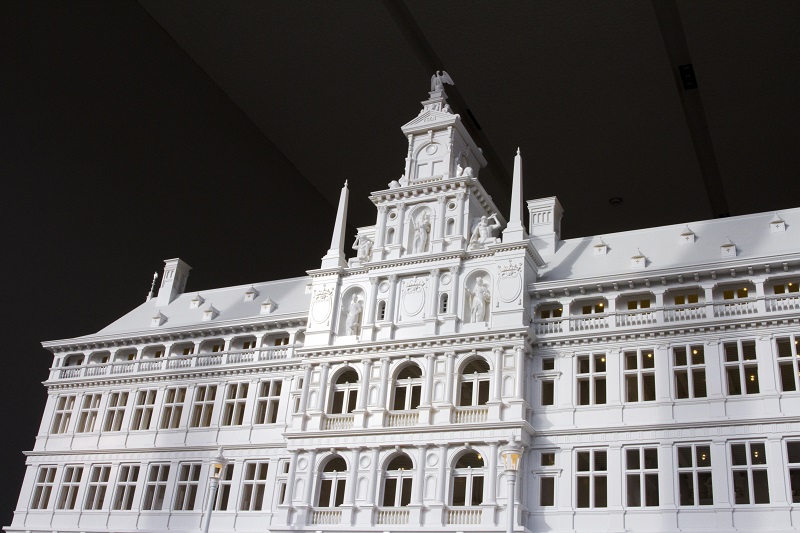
(349,497)
(323,383)
(369,312)
(497,389)
(401,224)
(380,231)
(461,200)
(373,477)
(384,382)
(390,300)
(491,482)
(304,394)
(310,478)
(458,291)
(449,378)
(429,369)
(290,346)
(709,297)
(761,303)
(419,482)
(434,306)
(520,362)
(290,479)
(440,218)
(442,482)
(366,366)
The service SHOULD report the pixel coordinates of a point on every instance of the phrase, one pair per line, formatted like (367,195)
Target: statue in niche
(467,172)
(483,233)
(352,323)
(480,298)
(422,230)
(363,247)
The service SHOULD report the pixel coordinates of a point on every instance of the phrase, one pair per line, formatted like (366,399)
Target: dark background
(132,132)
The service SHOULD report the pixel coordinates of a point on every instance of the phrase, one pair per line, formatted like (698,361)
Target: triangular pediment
(428,118)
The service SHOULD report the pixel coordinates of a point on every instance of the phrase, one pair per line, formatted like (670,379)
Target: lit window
(45,478)
(143,410)
(788,287)
(591,379)
(115,412)
(550,312)
(643,303)
(269,396)
(689,366)
(254,486)
(734,293)
(694,475)
(641,476)
(468,480)
(173,407)
(593,308)
(97,488)
(688,298)
(69,487)
(741,368)
(398,482)
(749,471)
(332,484)
(407,388)
(155,488)
(234,404)
(345,393)
(186,489)
(203,406)
(126,487)
(788,363)
(640,375)
(591,479)
(474,388)
(63,414)
(88,414)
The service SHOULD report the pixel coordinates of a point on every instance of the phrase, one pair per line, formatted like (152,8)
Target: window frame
(62,414)
(187,486)
(97,487)
(471,476)
(172,410)
(202,414)
(596,477)
(43,486)
(640,373)
(749,469)
(254,485)
(740,367)
(143,408)
(234,403)
(593,377)
(88,413)
(125,489)
(115,411)
(268,401)
(643,474)
(68,493)
(155,488)
(694,471)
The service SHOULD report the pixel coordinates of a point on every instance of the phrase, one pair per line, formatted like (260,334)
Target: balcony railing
(708,311)
(326,517)
(392,517)
(174,362)
(465,516)
(467,415)
(338,421)
(397,419)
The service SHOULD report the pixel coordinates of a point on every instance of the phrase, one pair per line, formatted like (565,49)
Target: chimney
(545,224)
(176,272)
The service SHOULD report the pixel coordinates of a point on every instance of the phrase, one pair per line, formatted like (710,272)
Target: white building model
(649,378)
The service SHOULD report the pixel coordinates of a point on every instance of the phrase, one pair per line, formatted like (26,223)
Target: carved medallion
(413,297)
(321,307)
(509,281)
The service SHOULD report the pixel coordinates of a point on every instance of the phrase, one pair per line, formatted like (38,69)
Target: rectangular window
(173,407)
(551,313)
(548,363)
(547,491)
(143,409)
(548,392)
(186,489)
(155,487)
(248,345)
(224,491)
(45,478)
(641,476)
(115,412)
(234,404)
(96,490)
(783,288)
(70,484)
(203,406)
(216,348)
(788,353)
(694,475)
(88,414)
(591,479)
(689,298)
(741,367)
(254,485)
(640,375)
(591,379)
(126,487)
(734,293)
(793,459)
(593,308)
(269,395)
(63,414)
(689,367)
(644,303)
(282,341)
(749,472)
(282,480)
(189,350)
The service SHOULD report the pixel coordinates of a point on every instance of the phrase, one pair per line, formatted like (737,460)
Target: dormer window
(250,295)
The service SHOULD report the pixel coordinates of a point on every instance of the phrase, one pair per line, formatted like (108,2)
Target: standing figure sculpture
(363,247)
(483,233)
(352,323)
(422,230)
(480,298)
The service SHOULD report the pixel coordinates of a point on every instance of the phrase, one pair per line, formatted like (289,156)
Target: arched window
(381,313)
(332,483)
(345,392)
(474,383)
(444,303)
(397,482)
(468,480)
(407,388)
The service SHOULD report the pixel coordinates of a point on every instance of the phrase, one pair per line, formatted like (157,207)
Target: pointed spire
(335,256)
(515,230)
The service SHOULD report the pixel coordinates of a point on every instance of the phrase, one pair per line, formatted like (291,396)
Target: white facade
(651,376)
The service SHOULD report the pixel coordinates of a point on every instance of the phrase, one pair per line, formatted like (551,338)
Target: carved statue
(439,78)
(363,245)
(467,172)
(421,232)
(483,233)
(352,323)
(480,298)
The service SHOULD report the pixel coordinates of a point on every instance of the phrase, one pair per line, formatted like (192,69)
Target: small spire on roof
(152,286)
